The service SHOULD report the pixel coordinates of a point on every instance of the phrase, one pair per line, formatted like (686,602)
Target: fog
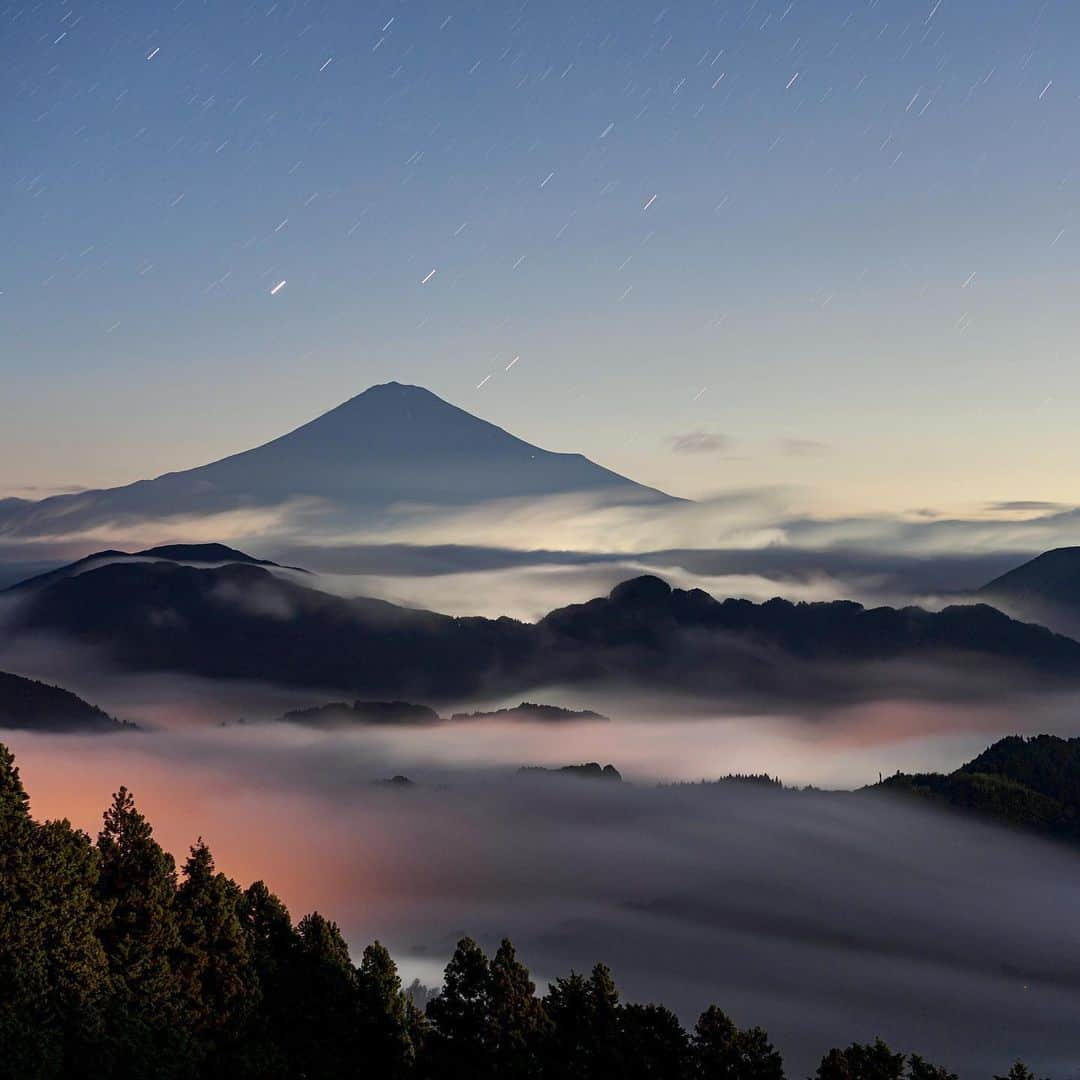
(824,917)
(522,556)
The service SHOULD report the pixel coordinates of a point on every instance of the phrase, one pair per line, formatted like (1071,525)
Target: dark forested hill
(240,620)
(36,706)
(1030,783)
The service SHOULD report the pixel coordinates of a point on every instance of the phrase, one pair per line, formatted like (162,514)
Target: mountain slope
(242,621)
(392,444)
(1045,589)
(36,706)
(1030,783)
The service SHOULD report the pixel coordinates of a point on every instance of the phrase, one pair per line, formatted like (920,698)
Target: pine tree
(53,972)
(323,1006)
(862,1061)
(459,1044)
(1018,1071)
(273,945)
(652,1043)
(921,1069)
(385,1016)
(584,1039)
(517,1021)
(721,1051)
(214,966)
(141,941)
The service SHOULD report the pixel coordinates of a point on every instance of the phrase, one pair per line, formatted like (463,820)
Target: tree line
(114,965)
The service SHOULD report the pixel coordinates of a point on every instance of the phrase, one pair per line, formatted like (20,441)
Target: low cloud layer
(765,537)
(824,918)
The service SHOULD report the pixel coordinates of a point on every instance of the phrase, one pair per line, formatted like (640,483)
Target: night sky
(827,244)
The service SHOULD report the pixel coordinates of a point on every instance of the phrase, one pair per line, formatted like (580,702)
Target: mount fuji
(392,445)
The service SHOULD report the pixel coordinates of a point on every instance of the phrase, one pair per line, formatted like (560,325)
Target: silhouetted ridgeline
(242,620)
(113,965)
(342,714)
(37,706)
(390,445)
(589,770)
(1045,589)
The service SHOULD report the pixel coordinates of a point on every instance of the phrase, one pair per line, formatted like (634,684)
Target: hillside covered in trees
(1032,784)
(37,706)
(114,964)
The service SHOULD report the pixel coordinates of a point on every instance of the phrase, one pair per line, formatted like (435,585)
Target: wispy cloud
(699,442)
(803,447)
(1024,506)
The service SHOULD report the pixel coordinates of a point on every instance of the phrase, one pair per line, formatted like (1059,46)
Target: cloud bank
(825,918)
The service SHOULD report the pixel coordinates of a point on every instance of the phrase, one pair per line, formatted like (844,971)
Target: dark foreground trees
(114,965)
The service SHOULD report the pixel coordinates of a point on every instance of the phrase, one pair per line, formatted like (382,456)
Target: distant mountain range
(340,714)
(36,706)
(238,619)
(393,444)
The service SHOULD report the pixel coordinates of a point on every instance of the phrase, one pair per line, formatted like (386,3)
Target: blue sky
(850,224)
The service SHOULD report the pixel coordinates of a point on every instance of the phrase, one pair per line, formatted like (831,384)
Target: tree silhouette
(723,1052)
(1018,1071)
(389,1023)
(862,1061)
(652,1043)
(517,1022)
(459,1045)
(213,964)
(141,941)
(53,970)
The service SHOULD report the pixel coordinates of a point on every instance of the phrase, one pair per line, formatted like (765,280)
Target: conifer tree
(724,1052)
(862,1061)
(517,1021)
(214,966)
(142,940)
(385,1016)
(652,1044)
(53,972)
(459,1044)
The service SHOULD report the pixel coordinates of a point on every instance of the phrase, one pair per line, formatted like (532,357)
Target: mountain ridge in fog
(392,444)
(240,620)
(1045,589)
(197,554)
(397,713)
